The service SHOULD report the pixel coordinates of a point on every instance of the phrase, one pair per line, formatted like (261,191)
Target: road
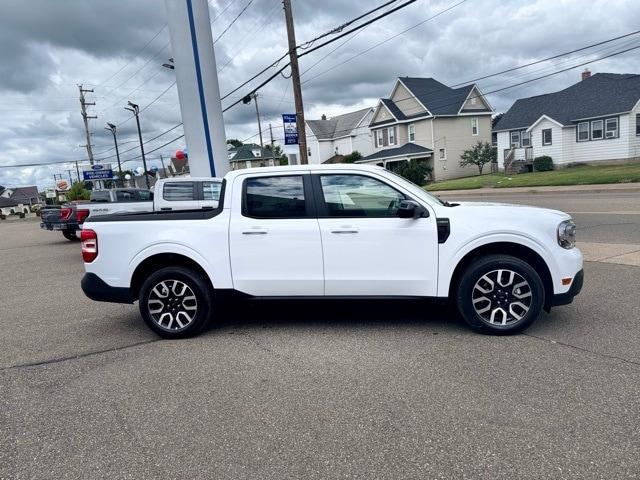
(323,390)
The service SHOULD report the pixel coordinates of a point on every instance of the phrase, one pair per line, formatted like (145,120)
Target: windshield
(416,189)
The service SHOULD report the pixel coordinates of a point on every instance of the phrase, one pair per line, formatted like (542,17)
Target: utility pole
(77,171)
(255,100)
(70,177)
(85,118)
(273,152)
(164,169)
(112,128)
(295,79)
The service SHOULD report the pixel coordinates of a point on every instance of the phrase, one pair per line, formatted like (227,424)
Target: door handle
(344,231)
(255,232)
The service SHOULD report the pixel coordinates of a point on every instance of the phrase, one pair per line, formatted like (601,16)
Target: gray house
(425,120)
(593,121)
(18,199)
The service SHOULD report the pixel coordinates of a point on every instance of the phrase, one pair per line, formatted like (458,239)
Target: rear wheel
(500,295)
(176,302)
(70,235)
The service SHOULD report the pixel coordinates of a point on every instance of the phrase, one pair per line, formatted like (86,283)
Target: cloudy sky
(117,48)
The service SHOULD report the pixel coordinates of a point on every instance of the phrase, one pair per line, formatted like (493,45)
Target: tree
(278,154)
(496,119)
(78,192)
(416,171)
(352,157)
(235,142)
(481,154)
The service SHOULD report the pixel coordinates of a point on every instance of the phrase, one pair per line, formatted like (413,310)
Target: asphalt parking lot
(322,390)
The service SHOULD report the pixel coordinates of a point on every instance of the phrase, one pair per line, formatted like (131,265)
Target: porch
(518,160)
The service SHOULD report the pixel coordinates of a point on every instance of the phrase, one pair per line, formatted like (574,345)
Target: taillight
(65,213)
(89,240)
(81,216)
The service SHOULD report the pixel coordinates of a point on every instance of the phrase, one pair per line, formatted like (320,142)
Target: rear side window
(211,190)
(100,196)
(274,197)
(126,196)
(179,191)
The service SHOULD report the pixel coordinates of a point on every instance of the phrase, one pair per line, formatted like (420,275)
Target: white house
(427,121)
(339,135)
(595,120)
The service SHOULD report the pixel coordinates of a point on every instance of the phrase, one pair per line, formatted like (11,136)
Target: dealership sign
(290,129)
(99,171)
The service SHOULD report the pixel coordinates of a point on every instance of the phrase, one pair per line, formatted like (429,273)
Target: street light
(112,128)
(136,110)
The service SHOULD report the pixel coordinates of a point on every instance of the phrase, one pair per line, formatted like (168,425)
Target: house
(18,199)
(425,120)
(594,120)
(339,135)
(250,155)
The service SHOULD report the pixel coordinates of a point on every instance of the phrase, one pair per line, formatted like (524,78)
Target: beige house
(425,120)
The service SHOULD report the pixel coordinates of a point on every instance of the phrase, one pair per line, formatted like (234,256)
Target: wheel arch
(161,260)
(514,249)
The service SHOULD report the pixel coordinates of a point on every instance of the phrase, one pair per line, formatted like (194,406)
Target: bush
(543,163)
(416,172)
(352,157)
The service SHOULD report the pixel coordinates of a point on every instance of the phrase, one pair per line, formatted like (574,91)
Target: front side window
(546,136)
(412,132)
(596,129)
(515,139)
(474,126)
(145,195)
(525,139)
(583,131)
(125,196)
(211,190)
(611,128)
(274,197)
(179,191)
(359,196)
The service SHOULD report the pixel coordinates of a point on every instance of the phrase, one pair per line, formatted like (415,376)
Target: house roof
(245,152)
(339,126)
(601,94)
(437,97)
(393,108)
(408,149)
(18,195)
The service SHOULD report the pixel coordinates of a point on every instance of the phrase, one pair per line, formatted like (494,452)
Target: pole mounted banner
(290,128)
(198,89)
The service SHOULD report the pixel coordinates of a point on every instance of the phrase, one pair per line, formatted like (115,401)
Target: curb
(490,192)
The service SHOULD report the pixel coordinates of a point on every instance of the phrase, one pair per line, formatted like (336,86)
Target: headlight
(567,234)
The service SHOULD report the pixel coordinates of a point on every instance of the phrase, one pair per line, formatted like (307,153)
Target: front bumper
(567,298)
(97,289)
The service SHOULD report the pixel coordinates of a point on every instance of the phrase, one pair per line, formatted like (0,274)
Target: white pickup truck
(333,231)
(179,193)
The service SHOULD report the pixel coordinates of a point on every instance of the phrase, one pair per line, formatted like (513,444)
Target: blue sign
(290,129)
(99,171)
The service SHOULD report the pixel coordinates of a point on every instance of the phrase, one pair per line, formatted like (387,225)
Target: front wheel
(175,302)
(500,295)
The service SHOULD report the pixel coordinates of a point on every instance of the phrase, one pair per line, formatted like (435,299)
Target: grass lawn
(579,175)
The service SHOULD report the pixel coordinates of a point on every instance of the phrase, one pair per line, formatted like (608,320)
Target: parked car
(66,218)
(333,231)
(180,193)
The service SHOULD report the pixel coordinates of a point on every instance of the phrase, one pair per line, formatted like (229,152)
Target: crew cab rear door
(368,249)
(274,237)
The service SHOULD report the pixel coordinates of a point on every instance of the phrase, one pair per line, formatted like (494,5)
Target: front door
(368,249)
(274,236)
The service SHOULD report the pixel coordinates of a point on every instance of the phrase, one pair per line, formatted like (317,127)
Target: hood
(492,208)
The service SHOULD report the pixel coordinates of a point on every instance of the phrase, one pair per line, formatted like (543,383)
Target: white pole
(198,90)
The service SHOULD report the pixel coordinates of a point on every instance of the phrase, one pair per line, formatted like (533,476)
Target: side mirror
(410,209)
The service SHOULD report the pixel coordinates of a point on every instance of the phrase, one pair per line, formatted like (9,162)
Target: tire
(176,302)
(70,235)
(500,295)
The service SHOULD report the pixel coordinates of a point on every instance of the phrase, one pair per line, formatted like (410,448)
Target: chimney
(324,117)
(586,74)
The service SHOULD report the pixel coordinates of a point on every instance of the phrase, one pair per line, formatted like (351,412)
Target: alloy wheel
(502,297)
(172,305)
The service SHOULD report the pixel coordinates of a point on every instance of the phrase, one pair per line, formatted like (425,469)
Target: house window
(392,135)
(546,136)
(474,126)
(596,129)
(583,131)
(515,139)
(525,139)
(638,124)
(611,127)
(412,132)
(379,138)
(442,153)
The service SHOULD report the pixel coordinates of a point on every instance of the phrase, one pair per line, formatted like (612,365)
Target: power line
(234,20)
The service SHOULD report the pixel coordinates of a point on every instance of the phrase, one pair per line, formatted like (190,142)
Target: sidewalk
(611,187)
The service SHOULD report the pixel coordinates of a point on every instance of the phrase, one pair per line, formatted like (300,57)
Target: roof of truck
(304,168)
